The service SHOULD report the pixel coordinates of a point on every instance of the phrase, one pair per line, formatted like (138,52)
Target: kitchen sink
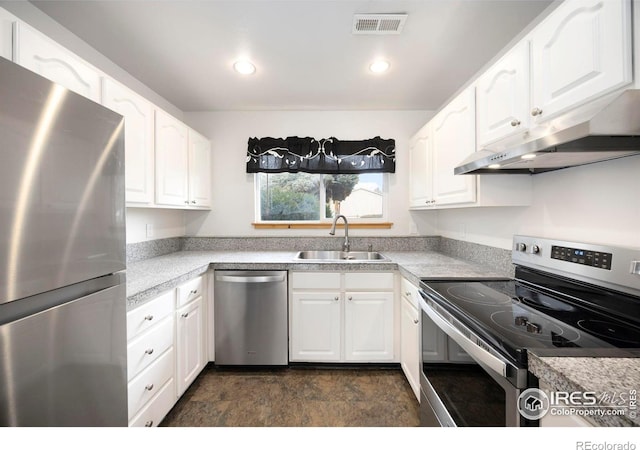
(330,255)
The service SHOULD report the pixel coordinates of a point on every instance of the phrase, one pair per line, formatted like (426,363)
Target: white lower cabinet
(368,326)
(410,336)
(190,343)
(316,326)
(342,317)
(153,412)
(151,360)
(165,350)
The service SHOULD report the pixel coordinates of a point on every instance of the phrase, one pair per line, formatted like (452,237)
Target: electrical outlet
(150,230)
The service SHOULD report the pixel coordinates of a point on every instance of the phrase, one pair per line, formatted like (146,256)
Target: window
(314,197)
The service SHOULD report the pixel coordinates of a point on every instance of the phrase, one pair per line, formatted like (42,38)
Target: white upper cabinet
(138,136)
(420,187)
(172,161)
(40,54)
(502,97)
(6,34)
(581,51)
(199,170)
(453,132)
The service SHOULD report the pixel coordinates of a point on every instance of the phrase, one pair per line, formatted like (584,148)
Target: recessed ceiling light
(494,166)
(379,66)
(244,67)
(528,156)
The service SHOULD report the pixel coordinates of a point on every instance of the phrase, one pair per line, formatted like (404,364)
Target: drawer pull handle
(350,298)
(149,317)
(336,298)
(195,291)
(148,423)
(416,321)
(408,294)
(185,315)
(149,387)
(149,351)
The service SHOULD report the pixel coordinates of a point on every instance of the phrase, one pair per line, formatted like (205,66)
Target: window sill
(319,225)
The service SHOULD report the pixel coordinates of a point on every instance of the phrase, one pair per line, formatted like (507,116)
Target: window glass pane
(289,196)
(356,196)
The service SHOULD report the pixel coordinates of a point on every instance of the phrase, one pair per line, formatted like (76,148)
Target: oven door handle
(469,346)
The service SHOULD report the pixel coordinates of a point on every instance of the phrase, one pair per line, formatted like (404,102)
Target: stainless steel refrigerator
(62,256)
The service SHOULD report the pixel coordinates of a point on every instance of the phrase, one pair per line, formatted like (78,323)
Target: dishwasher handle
(251,278)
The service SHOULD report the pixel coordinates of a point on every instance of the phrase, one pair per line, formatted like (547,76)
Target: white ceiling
(305,53)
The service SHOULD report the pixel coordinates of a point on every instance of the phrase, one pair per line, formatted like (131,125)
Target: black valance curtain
(332,156)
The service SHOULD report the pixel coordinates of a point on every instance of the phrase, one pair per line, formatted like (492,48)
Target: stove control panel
(585,257)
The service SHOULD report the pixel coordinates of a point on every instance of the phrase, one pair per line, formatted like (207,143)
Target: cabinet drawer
(410,292)
(190,291)
(316,280)
(368,281)
(145,316)
(143,387)
(154,411)
(146,348)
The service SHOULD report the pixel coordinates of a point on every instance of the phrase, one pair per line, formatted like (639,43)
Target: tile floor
(297,397)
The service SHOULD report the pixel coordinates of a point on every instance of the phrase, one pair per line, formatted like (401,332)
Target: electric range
(564,295)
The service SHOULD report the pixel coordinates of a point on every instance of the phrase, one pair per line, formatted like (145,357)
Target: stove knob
(521,247)
(535,249)
(533,328)
(521,321)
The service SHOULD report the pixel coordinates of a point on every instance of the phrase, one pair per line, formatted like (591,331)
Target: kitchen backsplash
(495,258)
(378,244)
(150,249)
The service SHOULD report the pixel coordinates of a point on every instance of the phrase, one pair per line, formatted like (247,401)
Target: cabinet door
(43,56)
(6,34)
(420,192)
(581,51)
(368,327)
(503,97)
(453,140)
(434,341)
(189,343)
(172,168)
(410,345)
(199,170)
(315,326)
(138,138)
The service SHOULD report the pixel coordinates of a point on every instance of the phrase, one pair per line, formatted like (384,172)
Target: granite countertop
(147,278)
(614,376)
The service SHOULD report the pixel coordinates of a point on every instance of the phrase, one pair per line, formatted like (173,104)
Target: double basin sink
(330,255)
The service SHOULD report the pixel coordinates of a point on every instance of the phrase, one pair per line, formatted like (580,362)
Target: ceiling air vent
(378,23)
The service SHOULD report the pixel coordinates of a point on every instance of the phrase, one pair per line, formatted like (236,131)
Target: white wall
(164,223)
(233,196)
(597,203)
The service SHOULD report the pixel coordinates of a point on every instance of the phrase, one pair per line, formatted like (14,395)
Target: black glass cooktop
(536,311)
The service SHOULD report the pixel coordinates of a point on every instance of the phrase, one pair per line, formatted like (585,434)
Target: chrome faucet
(345,246)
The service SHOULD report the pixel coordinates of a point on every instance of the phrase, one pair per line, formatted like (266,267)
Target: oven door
(462,393)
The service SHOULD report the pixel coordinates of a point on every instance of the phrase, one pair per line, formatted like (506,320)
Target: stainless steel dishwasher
(250,318)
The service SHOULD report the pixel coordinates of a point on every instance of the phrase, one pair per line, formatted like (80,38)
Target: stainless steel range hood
(613,132)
